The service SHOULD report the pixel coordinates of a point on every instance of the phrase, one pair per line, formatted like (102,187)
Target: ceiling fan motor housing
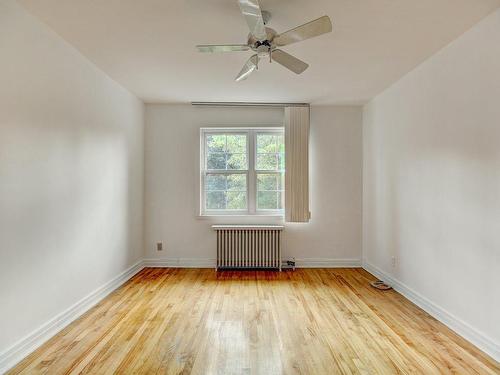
(262,46)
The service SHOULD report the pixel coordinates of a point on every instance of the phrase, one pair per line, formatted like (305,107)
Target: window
(242,171)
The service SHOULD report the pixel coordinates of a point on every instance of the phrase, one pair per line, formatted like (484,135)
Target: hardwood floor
(195,321)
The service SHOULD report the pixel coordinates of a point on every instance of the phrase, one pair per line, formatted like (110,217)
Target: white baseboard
(210,263)
(10,357)
(327,263)
(180,263)
(463,329)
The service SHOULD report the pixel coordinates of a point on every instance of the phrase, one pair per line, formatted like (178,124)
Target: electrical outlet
(159,246)
(393,261)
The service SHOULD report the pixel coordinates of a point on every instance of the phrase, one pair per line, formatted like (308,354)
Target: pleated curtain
(297,164)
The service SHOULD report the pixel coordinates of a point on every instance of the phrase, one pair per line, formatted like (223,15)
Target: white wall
(432,182)
(71,176)
(172,178)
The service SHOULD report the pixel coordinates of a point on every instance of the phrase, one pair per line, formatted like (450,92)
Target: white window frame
(251,172)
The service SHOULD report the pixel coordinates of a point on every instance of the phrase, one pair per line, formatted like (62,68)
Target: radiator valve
(290,264)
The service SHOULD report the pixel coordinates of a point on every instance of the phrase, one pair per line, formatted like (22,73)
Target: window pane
(216,143)
(236,144)
(267,162)
(236,200)
(270,191)
(215,182)
(236,161)
(267,200)
(266,143)
(267,182)
(237,182)
(216,200)
(216,161)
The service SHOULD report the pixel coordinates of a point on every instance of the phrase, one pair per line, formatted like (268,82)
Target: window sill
(243,219)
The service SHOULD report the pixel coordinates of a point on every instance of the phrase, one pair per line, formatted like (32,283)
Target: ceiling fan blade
(248,68)
(223,48)
(308,30)
(253,15)
(288,61)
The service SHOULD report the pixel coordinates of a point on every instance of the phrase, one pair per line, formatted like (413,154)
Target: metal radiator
(248,246)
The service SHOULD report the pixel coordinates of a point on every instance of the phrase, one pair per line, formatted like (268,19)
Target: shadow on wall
(68,199)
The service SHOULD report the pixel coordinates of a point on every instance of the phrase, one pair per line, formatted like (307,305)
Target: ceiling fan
(265,41)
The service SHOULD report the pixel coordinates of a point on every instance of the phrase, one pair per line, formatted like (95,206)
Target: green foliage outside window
(226,164)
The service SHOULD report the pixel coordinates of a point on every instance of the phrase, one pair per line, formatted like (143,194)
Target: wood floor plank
(311,321)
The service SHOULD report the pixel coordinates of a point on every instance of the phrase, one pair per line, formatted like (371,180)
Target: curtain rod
(248,104)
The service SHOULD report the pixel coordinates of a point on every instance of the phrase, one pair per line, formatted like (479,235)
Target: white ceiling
(148,45)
